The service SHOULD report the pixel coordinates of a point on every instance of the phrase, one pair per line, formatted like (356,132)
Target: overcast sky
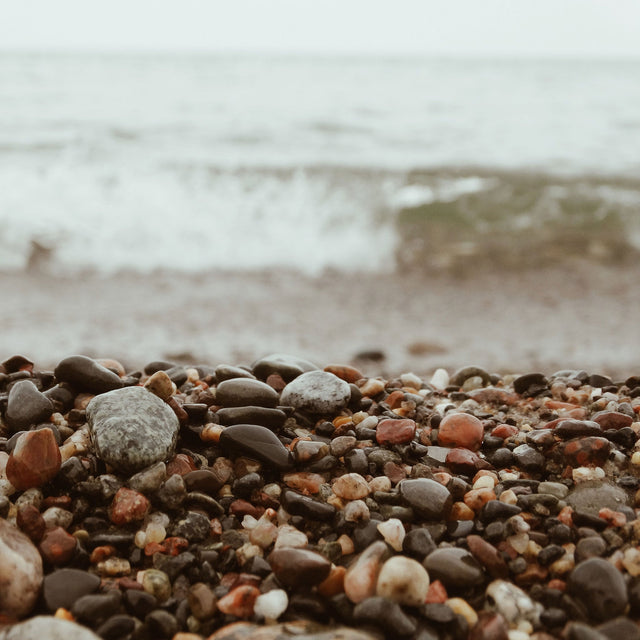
(505,27)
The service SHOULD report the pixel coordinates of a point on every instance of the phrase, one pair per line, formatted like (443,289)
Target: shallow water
(197,162)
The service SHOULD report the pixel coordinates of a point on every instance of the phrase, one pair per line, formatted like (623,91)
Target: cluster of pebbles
(286,501)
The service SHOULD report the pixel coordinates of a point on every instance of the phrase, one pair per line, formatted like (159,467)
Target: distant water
(198,162)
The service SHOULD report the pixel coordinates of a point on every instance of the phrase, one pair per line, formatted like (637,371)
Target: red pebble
(460,430)
(241,507)
(174,545)
(153,547)
(391,431)
(345,372)
(180,464)
(128,506)
(585,451)
(504,431)
(31,522)
(436,593)
(34,461)
(64,502)
(276,381)
(101,553)
(612,420)
(614,518)
(58,546)
(239,602)
(465,461)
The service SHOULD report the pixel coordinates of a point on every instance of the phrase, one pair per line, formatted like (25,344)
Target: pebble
(460,430)
(392,530)
(271,605)
(395,431)
(454,567)
(264,416)
(428,498)
(35,459)
(26,406)
(48,627)
(351,486)
(591,496)
(289,367)
(241,392)
(317,392)
(295,567)
(21,572)
(512,603)
(57,546)
(361,577)
(381,612)
(161,385)
(239,602)
(256,442)
(63,587)
(131,429)
(128,506)
(86,374)
(403,580)
(600,588)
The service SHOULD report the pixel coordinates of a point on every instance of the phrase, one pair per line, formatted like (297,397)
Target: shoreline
(506,321)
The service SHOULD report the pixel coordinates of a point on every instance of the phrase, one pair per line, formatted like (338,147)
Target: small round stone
(317,392)
(404,581)
(460,430)
(35,459)
(272,604)
(297,567)
(351,486)
(128,506)
(427,497)
(26,406)
(395,431)
(242,392)
(454,567)
(161,385)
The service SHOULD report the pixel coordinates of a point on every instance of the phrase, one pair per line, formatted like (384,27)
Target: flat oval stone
(35,459)
(48,627)
(131,428)
(20,572)
(305,506)
(85,374)
(228,372)
(428,498)
(590,497)
(317,392)
(454,567)
(289,367)
(612,420)
(256,442)
(600,588)
(26,406)
(298,567)
(395,431)
(63,587)
(241,392)
(265,417)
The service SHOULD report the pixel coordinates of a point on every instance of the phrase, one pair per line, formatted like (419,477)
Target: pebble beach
(289,498)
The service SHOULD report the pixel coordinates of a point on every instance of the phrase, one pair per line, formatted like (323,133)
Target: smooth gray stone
(317,392)
(242,392)
(590,497)
(600,588)
(427,497)
(265,417)
(47,628)
(256,442)
(454,567)
(132,428)
(26,406)
(286,366)
(63,587)
(86,374)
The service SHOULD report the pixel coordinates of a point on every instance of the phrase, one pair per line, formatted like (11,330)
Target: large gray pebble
(47,628)
(132,428)
(317,392)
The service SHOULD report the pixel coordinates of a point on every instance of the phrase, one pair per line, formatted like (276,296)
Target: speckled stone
(48,627)
(85,374)
(132,428)
(26,406)
(317,392)
(20,572)
(128,506)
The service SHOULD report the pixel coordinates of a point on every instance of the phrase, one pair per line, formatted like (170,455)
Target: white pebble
(585,474)
(289,536)
(440,379)
(411,380)
(272,604)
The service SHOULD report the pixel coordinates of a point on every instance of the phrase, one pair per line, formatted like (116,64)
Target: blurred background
(399,185)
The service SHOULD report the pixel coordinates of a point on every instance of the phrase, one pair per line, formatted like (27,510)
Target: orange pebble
(64,614)
(460,511)
(614,518)
(476,498)
(436,593)
(100,554)
(566,516)
(333,584)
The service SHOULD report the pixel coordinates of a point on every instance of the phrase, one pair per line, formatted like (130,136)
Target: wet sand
(576,316)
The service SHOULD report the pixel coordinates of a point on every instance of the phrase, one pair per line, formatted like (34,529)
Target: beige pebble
(631,561)
(380,483)
(211,432)
(485,482)
(351,486)
(508,497)
(372,387)
(461,607)
(403,580)
(356,511)
(346,543)
(289,536)
(114,567)
(161,385)
(393,532)
(362,575)
(411,380)
(586,474)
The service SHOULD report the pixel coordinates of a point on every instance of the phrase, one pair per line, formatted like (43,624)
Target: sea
(205,162)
